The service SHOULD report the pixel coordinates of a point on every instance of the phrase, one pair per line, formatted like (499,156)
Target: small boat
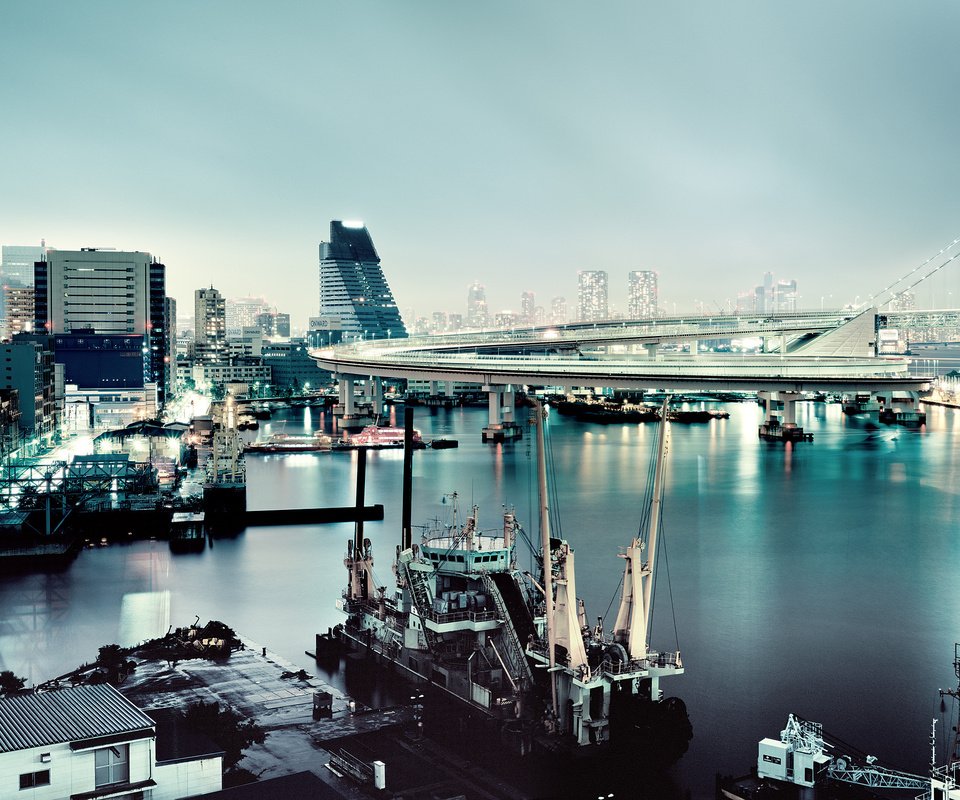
(187,533)
(290,443)
(378,437)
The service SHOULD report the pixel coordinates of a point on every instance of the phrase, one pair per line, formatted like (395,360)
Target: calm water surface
(819,579)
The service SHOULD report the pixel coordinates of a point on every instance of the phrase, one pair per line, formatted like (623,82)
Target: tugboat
(513,649)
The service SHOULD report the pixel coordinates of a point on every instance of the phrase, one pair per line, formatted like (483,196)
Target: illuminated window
(112,765)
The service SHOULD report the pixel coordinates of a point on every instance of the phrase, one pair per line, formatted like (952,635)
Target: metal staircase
(511,648)
(417,579)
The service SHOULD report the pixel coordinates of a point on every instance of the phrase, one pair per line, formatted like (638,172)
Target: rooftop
(68,715)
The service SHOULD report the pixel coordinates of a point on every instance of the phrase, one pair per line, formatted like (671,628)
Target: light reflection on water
(818,579)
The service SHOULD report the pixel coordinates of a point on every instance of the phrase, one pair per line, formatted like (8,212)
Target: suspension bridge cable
(869,300)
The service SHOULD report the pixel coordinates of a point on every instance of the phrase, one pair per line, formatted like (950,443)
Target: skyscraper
(477,314)
(592,295)
(642,294)
(353,289)
(107,292)
(210,325)
(558,310)
(16,263)
(528,314)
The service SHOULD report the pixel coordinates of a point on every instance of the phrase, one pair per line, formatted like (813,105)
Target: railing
(458,616)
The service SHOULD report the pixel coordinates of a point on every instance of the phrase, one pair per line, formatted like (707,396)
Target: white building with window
(91,743)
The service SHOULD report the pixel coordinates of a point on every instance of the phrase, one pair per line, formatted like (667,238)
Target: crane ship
(514,649)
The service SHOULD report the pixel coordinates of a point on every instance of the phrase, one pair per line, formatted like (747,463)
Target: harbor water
(816,578)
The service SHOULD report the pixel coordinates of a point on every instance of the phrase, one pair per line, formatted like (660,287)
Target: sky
(511,143)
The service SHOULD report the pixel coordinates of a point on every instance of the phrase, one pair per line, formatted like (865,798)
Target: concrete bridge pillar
(789,407)
(376,386)
(433,389)
(347,399)
(501,427)
(651,348)
(448,388)
(508,400)
(694,347)
(770,402)
(493,398)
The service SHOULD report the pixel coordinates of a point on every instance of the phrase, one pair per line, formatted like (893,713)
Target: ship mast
(539,418)
(632,628)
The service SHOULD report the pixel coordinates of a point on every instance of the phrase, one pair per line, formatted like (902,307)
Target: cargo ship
(514,650)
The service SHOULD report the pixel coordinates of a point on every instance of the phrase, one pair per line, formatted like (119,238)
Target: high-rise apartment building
(477,312)
(210,325)
(558,310)
(642,294)
(18,303)
(528,310)
(353,290)
(592,302)
(108,292)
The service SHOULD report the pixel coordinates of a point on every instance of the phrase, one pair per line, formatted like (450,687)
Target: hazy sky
(508,142)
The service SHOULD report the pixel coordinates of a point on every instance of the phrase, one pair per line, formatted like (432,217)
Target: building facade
(106,292)
(592,295)
(478,315)
(210,325)
(91,742)
(353,289)
(26,364)
(642,302)
(291,368)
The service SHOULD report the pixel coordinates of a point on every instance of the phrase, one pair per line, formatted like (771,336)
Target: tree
(226,728)
(10,683)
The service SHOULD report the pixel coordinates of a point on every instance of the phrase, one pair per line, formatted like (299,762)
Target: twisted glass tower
(354,295)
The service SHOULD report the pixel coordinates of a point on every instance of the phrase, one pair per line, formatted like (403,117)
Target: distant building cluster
(771,296)
(91,343)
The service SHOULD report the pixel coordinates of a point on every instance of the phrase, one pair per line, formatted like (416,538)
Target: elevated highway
(829,352)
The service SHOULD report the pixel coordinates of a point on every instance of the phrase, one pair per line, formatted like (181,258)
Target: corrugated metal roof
(65,715)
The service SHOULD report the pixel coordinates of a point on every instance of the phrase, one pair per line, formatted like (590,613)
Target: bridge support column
(376,393)
(651,349)
(347,398)
(501,427)
(694,347)
(781,427)
(434,391)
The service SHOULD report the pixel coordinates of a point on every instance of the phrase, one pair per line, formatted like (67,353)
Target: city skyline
(224,152)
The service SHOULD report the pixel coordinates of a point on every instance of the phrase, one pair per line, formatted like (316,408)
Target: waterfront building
(592,301)
(439,324)
(454,322)
(291,367)
(91,742)
(477,314)
(642,300)
(26,365)
(244,370)
(507,319)
(210,325)
(106,292)
(353,289)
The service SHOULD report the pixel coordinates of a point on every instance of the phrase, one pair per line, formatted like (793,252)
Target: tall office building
(106,292)
(477,313)
(18,303)
(642,294)
(353,290)
(16,263)
(242,312)
(592,295)
(785,296)
(210,325)
(528,309)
